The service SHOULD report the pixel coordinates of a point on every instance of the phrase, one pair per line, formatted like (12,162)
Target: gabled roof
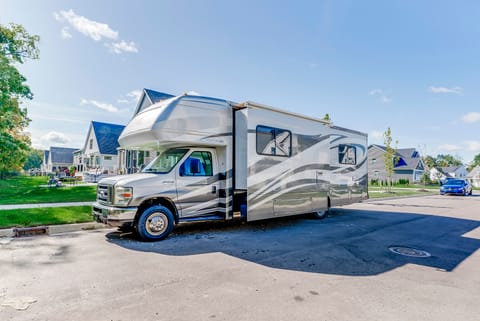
(408,157)
(408,152)
(156,96)
(62,155)
(107,136)
(150,97)
(450,169)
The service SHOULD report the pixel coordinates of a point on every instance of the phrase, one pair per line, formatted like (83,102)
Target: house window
(147,153)
(374,160)
(107,157)
(274,141)
(91,143)
(347,154)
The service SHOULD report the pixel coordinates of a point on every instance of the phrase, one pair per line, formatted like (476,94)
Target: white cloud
(193,93)
(135,94)
(108,107)
(122,101)
(445,90)
(449,147)
(95,30)
(472,117)
(53,138)
(473,146)
(375,134)
(65,33)
(381,95)
(89,28)
(122,46)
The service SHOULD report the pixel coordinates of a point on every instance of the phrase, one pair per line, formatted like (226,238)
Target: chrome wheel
(156,223)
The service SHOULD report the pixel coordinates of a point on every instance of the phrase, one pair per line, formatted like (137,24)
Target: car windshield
(456,182)
(164,162)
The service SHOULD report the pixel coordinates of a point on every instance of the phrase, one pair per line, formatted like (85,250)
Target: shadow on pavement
(348,242)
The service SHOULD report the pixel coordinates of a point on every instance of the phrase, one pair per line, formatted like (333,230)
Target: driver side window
(197,164)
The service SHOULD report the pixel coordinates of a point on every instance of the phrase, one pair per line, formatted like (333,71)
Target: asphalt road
(339,268)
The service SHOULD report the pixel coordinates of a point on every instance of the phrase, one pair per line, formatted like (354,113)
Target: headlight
(122,195)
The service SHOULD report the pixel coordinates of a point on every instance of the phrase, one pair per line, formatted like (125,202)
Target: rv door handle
(214,189)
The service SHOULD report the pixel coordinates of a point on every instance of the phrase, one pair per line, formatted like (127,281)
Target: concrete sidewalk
(37,205)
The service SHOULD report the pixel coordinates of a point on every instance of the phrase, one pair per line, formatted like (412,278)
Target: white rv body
(249,160)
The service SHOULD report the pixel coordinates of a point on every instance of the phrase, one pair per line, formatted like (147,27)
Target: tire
(321,214)
(155,223)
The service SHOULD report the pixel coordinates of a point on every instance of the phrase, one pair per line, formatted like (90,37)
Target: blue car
(456,187)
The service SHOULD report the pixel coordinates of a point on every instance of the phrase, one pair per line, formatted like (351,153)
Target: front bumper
(114,216)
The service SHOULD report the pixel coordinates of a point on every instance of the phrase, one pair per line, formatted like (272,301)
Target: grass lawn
(45,216)
(376,192)
(26,190)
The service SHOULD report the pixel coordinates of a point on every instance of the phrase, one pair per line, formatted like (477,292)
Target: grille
(104,194)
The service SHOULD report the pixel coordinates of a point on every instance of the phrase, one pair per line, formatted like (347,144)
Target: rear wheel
(321,214)
(155,223)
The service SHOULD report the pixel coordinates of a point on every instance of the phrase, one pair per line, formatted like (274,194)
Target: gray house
(474,176)
(59,159)
(408,166)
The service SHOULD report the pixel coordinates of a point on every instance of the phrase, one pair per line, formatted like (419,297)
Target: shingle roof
(107,136)
(156,96)
(62,155)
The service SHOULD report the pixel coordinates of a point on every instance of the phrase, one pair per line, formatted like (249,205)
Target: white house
(99,153)
(455,171)
(474,176)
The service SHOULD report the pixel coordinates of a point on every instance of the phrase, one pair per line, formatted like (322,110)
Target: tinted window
(197,164)
(347,154)
(274,141)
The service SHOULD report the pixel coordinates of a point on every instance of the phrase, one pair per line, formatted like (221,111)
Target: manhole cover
(409,251)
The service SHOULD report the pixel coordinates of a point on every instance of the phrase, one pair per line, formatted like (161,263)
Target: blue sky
(412,66)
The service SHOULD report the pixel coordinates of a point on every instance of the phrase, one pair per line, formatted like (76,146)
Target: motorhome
(220,160)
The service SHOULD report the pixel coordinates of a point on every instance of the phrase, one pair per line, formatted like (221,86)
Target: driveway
(341,268)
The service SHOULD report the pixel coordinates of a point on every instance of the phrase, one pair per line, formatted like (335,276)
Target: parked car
(456,187)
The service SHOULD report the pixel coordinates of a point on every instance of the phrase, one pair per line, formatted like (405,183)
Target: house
(474,176)
(408,166)
(436,175)
(99,153)
(131,161)
(59,159)
(455,171)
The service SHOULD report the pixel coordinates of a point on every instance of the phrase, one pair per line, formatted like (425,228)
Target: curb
(60,229)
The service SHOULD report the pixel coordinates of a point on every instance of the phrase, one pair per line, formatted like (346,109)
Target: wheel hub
(156,223)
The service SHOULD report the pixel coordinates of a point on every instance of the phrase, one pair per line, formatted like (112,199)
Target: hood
(129,180)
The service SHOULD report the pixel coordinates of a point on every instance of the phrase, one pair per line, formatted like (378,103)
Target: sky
(412,66)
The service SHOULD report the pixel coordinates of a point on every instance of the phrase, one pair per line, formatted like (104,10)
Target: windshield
(164,162)
(456,182)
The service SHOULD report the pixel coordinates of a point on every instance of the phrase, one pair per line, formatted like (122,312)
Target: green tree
(474,163)
(446,160)
(390,156)
(34,159)
(16,45)
(327,117)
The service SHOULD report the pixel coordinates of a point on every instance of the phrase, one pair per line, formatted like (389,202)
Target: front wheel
(155,223)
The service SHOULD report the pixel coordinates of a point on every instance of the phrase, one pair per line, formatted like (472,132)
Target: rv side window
(197,164)
(347,154)
(274,141)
